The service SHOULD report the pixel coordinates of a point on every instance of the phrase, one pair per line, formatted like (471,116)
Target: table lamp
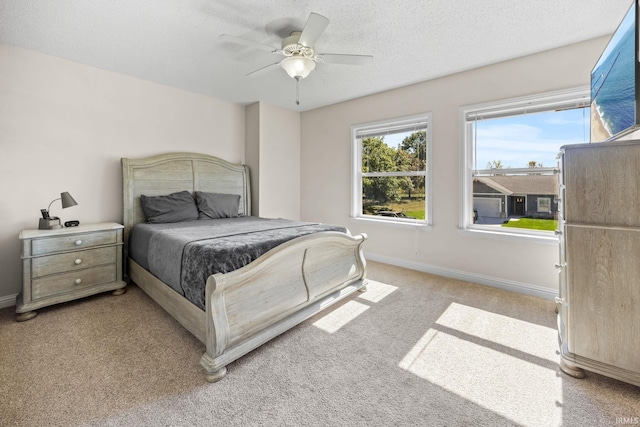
(48,222)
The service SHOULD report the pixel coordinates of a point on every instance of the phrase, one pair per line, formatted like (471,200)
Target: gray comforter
(183,255)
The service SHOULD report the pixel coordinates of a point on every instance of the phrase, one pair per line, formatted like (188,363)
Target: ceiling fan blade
(250,43)
(263,70)
(338,58)
(313,29)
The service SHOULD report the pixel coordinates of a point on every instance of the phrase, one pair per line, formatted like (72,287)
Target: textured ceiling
(176,42)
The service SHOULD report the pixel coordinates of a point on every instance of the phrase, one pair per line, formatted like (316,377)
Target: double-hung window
(509,155)
(391,178)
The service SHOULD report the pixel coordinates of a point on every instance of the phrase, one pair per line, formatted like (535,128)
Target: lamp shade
(298,66)
(67,200)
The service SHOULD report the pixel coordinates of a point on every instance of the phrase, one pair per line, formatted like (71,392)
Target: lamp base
(49,224)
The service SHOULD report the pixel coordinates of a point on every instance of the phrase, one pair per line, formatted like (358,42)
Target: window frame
(562,99)
(548,203)
(357,174)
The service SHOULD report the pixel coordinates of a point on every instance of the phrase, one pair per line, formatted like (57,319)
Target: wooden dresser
(599,295)
(68,263)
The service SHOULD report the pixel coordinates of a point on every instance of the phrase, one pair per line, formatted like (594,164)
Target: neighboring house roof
(521,184)
(492,184)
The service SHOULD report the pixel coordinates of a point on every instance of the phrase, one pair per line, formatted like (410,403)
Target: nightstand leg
(119,291)
(21,317)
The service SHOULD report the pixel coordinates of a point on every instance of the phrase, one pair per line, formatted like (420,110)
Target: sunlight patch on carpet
(497,362)
(333,321)
(376,291)
(529,338)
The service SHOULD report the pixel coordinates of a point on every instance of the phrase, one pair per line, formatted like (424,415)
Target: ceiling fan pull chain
(297,90)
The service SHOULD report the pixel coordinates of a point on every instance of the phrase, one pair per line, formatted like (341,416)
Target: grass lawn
(413,208)
(533,224)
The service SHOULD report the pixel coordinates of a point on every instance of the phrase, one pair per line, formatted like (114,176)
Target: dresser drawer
(71,261)
(60,283)
(72,242)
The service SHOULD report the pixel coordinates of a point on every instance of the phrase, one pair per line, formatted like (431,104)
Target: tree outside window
(391,175)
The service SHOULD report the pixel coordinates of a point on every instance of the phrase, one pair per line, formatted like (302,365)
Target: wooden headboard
(171,172)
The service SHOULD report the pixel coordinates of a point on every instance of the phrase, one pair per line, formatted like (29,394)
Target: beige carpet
(415,350)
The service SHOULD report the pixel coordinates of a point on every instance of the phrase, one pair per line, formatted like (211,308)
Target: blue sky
(519,139)
(395,139)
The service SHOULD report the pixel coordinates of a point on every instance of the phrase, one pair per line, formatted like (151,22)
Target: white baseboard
(494,282)
(8,301)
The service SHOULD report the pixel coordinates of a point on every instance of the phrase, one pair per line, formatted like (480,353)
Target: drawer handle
(77,261)
(77,281)
(78,242)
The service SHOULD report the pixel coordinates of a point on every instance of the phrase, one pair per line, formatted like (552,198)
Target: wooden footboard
(250,306)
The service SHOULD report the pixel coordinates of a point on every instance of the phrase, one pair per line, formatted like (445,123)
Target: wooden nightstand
(69,263)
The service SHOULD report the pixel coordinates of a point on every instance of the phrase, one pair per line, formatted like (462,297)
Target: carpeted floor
(414,350)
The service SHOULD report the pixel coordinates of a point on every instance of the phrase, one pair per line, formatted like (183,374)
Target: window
(509,160)
(544,204)
(391,170)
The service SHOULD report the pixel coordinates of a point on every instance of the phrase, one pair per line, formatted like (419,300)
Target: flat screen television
(615,83)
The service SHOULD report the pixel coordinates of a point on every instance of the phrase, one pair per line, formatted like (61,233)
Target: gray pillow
(217,205)
(174,207)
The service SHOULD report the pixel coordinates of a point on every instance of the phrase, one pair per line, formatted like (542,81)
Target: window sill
(422,225)
(541,237)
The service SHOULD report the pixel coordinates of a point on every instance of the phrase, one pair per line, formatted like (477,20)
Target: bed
(248,306)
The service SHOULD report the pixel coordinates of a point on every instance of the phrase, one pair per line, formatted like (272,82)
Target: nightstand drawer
(71,261)
(60,283)
(72,242)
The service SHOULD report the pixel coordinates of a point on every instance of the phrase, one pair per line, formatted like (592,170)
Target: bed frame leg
(119,291)
(213,374)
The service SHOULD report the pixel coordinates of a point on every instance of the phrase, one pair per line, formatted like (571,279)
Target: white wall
(273,156)
(252,152)
(65,126)
(326,182)
(279,162)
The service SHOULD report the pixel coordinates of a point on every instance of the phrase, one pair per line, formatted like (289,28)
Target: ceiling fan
(300,57)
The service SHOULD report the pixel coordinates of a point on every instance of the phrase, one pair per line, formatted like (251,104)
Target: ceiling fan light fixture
(298,66)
